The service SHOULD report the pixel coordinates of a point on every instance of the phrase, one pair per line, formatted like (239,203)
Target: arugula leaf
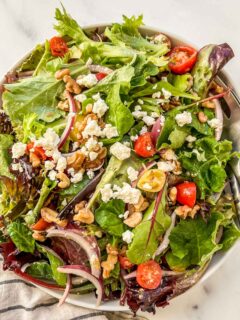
(107,217)
(6,141)
(147,233)
(33,60)
(193,241)
(21,236)
(41,270)
(33,95)
(59,277)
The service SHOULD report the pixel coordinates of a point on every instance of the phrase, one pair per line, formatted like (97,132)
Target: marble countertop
(23,23)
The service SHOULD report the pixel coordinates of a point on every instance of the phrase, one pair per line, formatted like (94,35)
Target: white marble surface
(23,23)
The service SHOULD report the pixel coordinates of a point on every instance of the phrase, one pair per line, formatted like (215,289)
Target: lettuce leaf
(231,233)
(107,217)
(6,141)
(33,60)
(21,236)
(41,270)
(147,233)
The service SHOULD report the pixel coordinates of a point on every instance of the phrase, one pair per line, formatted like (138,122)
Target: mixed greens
(112,170)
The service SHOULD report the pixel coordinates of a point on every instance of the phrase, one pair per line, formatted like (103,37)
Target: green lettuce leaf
(6,141)
(142,247)
(107,217)
(231,233)
(21,236)
(41,270)
(33,60)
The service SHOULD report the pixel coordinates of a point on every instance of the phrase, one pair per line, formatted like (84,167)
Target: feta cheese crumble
(17,167)
(90,174)
(165,166)
(215,123)
(106,192)
(191,138)
(149,120)
(49,141)
(132,174)
(49,165)
(127,236)
(120,151)
(92,129)
(156,95)
(88,81)
(183,118)
(143,130)
(77,177)
(166,94)
(52,175)
(100,107)
(93,155)
(61,164)
(134,138)
(127,194)
(18,150)
(109,131)
(80,97)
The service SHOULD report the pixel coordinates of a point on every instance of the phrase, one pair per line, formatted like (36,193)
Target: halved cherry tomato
(182,59)
(74,134)
(39,151)
(41,225)
(100,75)
(125,263)
(143,146)
(58,46)
(187,193)
(149,274)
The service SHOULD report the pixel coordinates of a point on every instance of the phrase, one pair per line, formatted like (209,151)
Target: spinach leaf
(6,141)
(107,217)
(147,234)
(41,270)
(21,236)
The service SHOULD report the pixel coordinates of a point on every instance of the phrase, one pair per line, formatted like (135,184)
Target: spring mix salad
(112,169)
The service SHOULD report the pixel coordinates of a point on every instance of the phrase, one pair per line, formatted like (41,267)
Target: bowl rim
(218,258)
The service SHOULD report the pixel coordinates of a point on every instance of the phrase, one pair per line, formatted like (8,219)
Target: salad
(112,169)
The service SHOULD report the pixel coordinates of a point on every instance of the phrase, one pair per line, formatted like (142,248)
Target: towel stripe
(16,281)
(89,315)
(28,309)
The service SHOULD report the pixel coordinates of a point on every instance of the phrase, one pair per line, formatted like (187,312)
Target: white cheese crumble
(156,95)
(140,101)
(165,166)
(137,108)
(154,115)
(149,120)
(120,151)
(183,118)
(164,79)
(52,175)
(88,81)
(90,174)
(93,155)
(106,192)
(155,87)
(71,172)
(134,138)
(147,186)
(92,143)
(49,141)
(92,129)
(215,123)
(109,131)
(77,177)
(127,194)
(137,113)
(132,174)
(127,236)
(191,138)
(64,203)
(166,94)
(127,143)
(18,150)
(75,145)
(143,130)
(49,165)
(96,96)
(61,164)
(100,107)
(80,97)
(17,167)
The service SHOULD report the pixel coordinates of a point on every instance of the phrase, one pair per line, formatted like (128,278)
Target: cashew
(173,194)
(108,265)
(111,250)
(61,73)
(83,214)
(134,219)
(64,180)
(142,204)
(39,236)
(63,105)
(75,161)
(208,104)
(202,117)
(50,215)
(34,160)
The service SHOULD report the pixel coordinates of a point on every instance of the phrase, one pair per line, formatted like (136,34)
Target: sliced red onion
(98,68)
(66,291)
(99,167)
(85,273)
(156,130)
(130,275)
(78,280)
(219,116)
(25,266)
(164,244)
(70,120)
(38,282)
(90,249)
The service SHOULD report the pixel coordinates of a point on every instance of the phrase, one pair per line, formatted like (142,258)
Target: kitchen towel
(20,300)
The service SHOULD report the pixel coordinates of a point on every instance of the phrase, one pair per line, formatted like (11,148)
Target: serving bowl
(89,300)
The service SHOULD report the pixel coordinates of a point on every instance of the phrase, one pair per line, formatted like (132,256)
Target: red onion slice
(130,275)
(98,68)
(156,130)
(85,273)
(219,116)
(70,120)
(66,291)
(164,244)
(90,249)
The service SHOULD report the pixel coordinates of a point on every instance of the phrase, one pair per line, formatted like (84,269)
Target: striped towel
(20,300)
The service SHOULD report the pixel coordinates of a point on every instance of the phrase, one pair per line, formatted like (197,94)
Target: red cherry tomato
(149,274)
(100,75)
(41,225)
(182,59)
(187,193)
(143,146)
(58,47)
(125,263)
(39,151)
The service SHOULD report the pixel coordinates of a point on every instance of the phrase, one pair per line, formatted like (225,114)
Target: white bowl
(89,300)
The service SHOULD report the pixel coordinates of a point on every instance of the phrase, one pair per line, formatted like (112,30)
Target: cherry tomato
(75,130)
(187,193)
(182,59)
(125,262)
(58,47)
(41,225)
(100,75)
(143,146)
(39,151)
(149,274)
